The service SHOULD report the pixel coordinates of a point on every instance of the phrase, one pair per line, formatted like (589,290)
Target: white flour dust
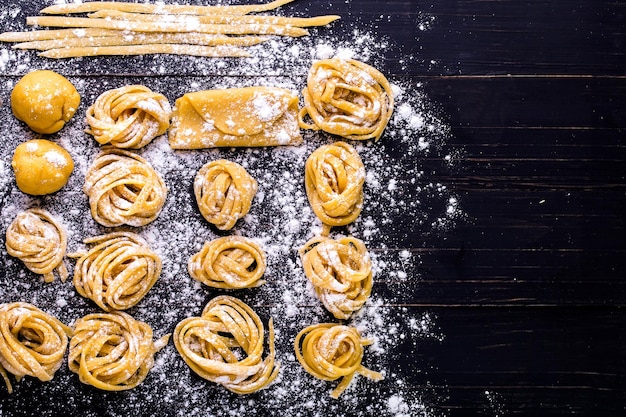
(402,206)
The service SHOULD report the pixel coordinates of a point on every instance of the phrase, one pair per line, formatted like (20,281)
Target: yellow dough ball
(41,167)
(44,100)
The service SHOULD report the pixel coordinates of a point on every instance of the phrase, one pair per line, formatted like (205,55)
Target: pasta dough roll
(229,262)
(340,271)
(331,351)
(32,342)
(348,98)
(128,117)
(118,271)
(39,241)
(224,191)
(334,178)
(113,351)
(225,345)
(250,116)
(123,189)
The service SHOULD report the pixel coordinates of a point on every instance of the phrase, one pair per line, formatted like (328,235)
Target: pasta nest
(112,351)
(348,98)
(331,351)
(225,345)
(32,342)
(224,191)
(123,189)
(128,117)
(117,272)
(334,178)
(229,262)
(340,272)
(39,241)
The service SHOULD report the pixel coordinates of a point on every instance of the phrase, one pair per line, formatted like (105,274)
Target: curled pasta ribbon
(229,262)
(32,342)
(347,98)
(331,351)
(225,345)
(117,272)
(113,351)
(224,191)
(340,271)
(39,241)
(334,178)
(128,117)
(123,189)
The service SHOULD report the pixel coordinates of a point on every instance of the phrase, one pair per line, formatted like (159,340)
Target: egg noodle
(229,262)
(123,189)
(128,117)
(340,271)
(117,272)
(331,351)
(348,98)
(38,240)
(112,351)
(334,178)
(225,345)
(224,191)
(125,28)
(32,342)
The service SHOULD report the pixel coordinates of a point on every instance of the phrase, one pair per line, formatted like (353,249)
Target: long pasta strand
(159,8)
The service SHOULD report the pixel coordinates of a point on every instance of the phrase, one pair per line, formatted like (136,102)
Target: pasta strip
(123,189)
(39,241)
(229,262)
(334,178)
(242,29)
(225,345)
(173,49)
(217,19)
(340,272)
(128,117)
(40,35)
(32,342)
(117,272)
(331,351)
(224,191)
(113,351)
(160,8)
(140,38)
(347,98)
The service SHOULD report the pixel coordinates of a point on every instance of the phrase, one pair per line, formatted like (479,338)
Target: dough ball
(44,100)
(41,167)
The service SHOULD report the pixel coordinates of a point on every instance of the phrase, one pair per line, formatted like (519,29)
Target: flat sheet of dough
(250,116)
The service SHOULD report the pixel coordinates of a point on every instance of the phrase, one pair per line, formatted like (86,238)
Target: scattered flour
(396,210)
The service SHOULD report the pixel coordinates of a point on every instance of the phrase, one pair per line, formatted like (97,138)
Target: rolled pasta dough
(236,117)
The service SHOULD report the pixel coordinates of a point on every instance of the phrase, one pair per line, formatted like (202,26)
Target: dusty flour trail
(402,204)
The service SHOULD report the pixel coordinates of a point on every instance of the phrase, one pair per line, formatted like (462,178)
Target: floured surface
(403,205)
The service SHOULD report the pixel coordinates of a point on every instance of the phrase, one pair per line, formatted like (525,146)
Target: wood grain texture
(529,289)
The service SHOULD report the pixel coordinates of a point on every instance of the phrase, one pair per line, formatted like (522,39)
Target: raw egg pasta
(340,272)
(348,98)
(229,262)
(112,351)
(123,189)
(128,117)
(331,351)
(334,178)
(32,342)
(128,23)
(225,345)
(117,272)
(224,191)
(39,241)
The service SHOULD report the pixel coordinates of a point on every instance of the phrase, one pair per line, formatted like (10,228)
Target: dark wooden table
(526,288)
